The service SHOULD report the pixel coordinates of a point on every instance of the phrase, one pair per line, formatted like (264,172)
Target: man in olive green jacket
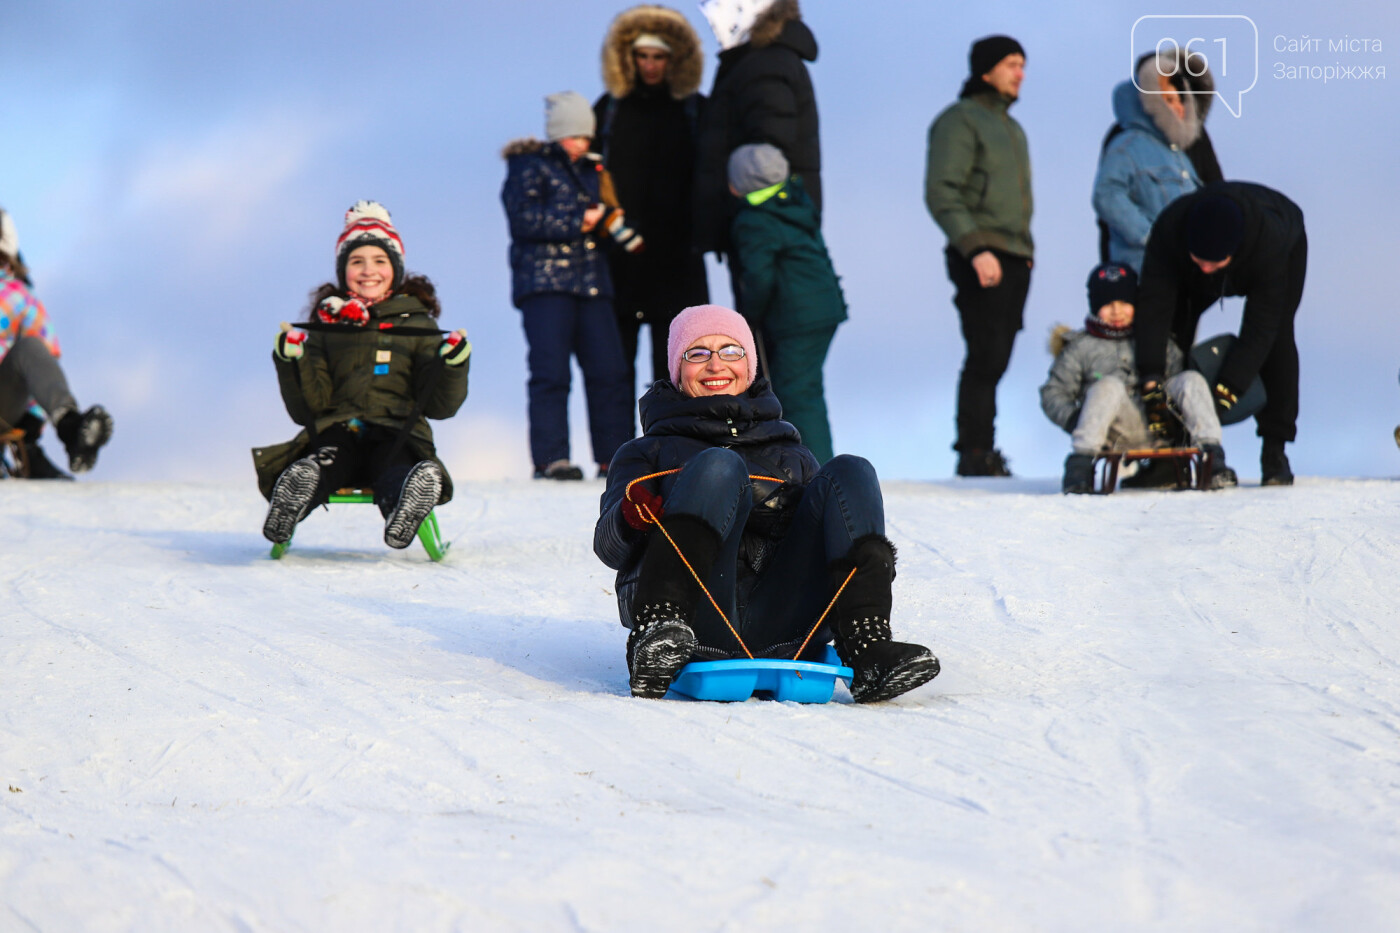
(978,188)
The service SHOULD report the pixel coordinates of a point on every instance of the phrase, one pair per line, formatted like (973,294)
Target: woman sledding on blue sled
(360,376)
(720,489)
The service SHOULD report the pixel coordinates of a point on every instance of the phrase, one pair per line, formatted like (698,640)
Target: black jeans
(841,504)
(990,319)
(361,459)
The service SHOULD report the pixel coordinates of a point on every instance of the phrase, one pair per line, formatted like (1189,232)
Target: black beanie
(988,51)
(1111,281)
(1214,227)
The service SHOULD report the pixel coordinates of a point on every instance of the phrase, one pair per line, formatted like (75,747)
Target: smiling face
(1117,314)
(714,376)
(369,273)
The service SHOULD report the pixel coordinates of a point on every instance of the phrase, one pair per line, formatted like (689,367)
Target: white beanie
(567,114)
(650,40)
(732,20)
(9,238)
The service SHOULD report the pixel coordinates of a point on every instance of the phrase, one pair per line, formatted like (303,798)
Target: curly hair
(415,286)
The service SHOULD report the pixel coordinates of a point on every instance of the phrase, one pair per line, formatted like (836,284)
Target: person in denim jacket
(1145,167)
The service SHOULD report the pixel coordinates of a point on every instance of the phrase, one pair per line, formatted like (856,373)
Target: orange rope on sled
(646,514)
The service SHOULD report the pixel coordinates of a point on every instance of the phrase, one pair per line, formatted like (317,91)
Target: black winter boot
(294,494)
(1221,476)
(40,466)
(1273,464)
(1079,474)
(662,641)
(83,435)
(416,498)
(983,463)
(659,645)
(882,668)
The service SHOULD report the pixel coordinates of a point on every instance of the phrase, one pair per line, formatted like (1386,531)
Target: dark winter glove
(289,344)
(1225,397)
(1159,416)
(456,349)
(622,234)
(641,507)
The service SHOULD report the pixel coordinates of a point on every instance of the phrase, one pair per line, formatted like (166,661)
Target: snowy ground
(1160,711)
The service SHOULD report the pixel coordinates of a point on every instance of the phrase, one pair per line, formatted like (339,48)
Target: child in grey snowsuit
(1092,388)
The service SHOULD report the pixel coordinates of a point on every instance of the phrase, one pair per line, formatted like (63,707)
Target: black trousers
(362,459)
(990,318)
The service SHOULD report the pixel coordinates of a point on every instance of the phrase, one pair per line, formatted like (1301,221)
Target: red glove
(639,497)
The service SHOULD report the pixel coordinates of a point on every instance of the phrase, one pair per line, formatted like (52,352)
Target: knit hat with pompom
(367,223)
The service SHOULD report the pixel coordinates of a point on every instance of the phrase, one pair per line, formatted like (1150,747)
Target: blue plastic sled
(776,678)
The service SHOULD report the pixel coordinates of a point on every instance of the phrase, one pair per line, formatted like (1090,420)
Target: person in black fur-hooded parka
(648,123)
(762,93)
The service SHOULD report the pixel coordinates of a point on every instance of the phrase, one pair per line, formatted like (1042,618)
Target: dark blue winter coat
(676,428)
(545,196)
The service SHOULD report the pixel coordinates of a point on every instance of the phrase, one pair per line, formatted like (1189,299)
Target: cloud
(222,183)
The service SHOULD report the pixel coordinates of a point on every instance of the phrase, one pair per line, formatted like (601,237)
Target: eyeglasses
(730,354)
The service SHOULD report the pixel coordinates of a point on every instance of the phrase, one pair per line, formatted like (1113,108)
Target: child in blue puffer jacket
(560,283)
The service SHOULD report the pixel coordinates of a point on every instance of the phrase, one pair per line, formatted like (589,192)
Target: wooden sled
(1192,466)
(428,532)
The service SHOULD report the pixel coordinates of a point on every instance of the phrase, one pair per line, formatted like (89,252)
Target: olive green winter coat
(371,375)
(978,181)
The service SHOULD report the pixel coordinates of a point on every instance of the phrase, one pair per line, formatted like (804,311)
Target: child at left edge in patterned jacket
(33,387)
(361,377)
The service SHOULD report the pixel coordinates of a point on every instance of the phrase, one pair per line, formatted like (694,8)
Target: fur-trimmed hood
(686,66)
(522,147)
(1133,107)
(771,22)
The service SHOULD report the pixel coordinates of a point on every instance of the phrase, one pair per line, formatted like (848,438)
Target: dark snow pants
(558,327)
(795,364)
(777,607)
(28,373)
(361,459)
(990,320)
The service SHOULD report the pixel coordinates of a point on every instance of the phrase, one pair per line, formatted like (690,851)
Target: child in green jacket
(789,291)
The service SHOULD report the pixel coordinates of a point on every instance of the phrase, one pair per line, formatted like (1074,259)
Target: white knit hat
(9,238)
(367,223)
(732,20)
(650,40)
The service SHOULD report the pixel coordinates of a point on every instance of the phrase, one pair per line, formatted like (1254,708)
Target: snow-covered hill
(1162,711)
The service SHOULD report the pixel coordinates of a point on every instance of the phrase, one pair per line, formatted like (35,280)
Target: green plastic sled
(428,532)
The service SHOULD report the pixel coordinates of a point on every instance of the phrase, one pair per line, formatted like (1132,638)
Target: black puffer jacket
(1267,269)
(677,428)
(762,94)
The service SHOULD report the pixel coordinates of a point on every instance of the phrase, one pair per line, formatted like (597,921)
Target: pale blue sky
(178,172)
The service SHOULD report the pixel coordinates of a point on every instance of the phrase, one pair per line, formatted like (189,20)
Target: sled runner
(428,532)
(1207,357)
(775,678)
(1192,466)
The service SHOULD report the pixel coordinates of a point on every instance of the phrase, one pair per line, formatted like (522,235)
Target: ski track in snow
(1158,711)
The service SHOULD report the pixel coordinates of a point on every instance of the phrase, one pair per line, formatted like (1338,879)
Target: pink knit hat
(702,321)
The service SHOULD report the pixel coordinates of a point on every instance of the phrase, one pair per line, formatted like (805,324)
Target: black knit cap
(1214,227)
(987,52)
(1111,281)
